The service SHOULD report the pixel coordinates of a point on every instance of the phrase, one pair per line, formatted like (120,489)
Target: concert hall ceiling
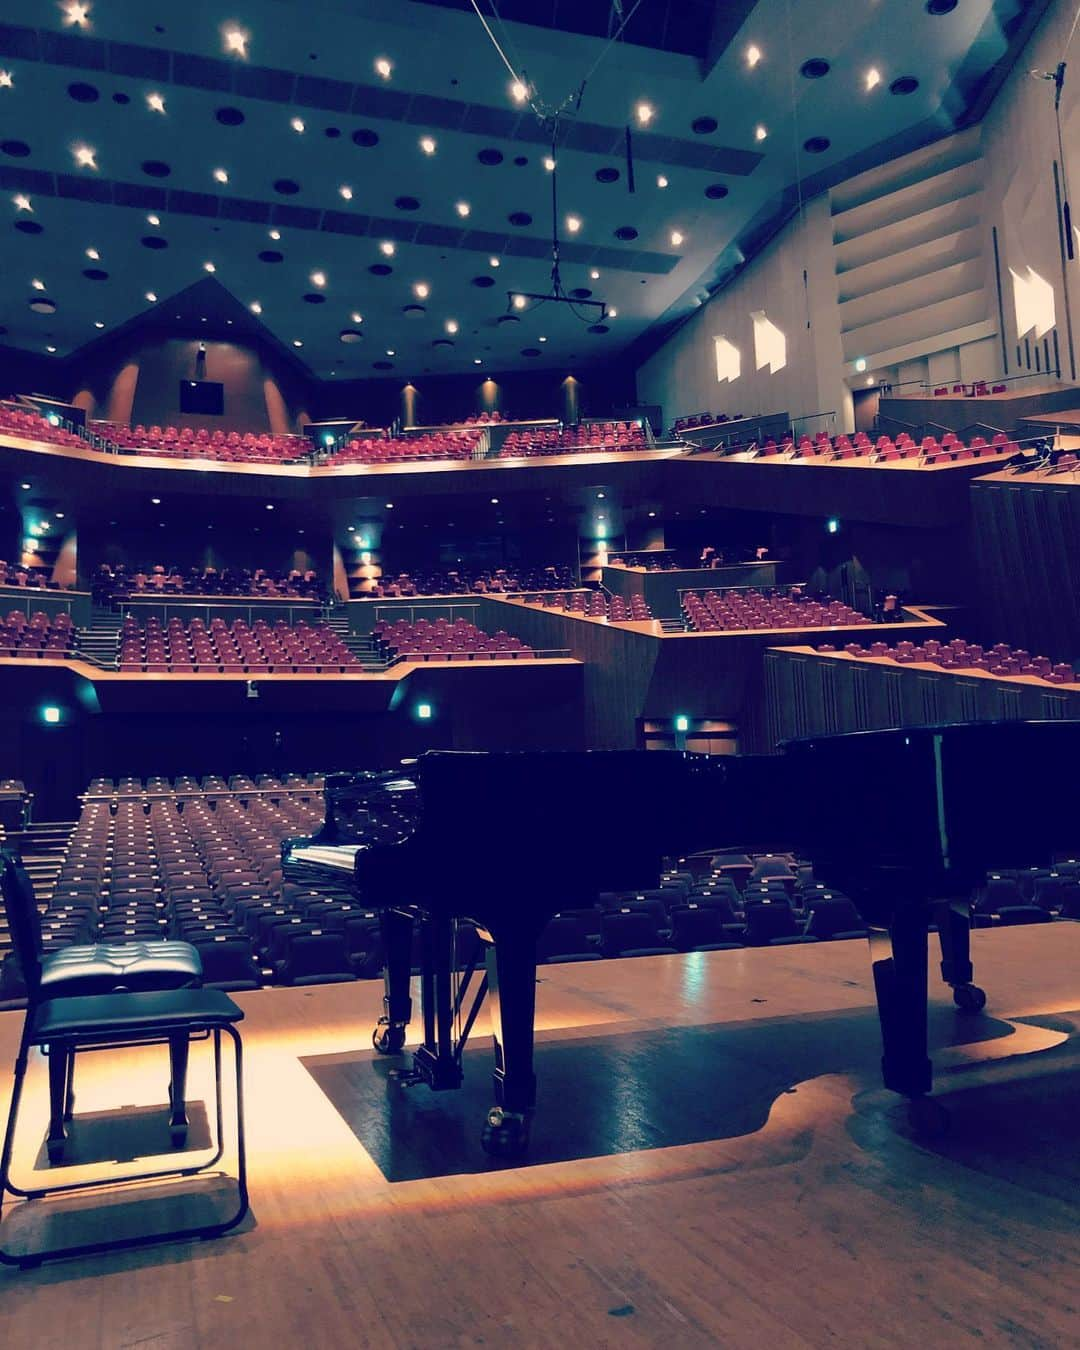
(371,184)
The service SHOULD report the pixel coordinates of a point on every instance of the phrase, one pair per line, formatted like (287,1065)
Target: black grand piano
(906,822)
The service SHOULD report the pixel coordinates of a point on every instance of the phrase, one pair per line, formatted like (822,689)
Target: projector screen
(202,396)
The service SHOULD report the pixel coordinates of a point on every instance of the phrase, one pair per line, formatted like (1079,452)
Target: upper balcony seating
(586,436)
(37,637)
(232,649)
(32,426)
(439,445)
(442,640)
(1000,659)
(32,579)
(467,580)
(884,450)
(119,583)
(705,419)
(596,605)
(741,610)
(189,443)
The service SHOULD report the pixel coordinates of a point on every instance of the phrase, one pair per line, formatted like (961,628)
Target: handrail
(512,653)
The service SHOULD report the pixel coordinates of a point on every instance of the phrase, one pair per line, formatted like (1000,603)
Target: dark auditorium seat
(772,923)
(632,933)
(695,929)
(566,939)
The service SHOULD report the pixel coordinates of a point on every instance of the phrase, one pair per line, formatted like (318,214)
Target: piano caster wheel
(506,1134)
(969,997)
(388,1039)
(928,1118)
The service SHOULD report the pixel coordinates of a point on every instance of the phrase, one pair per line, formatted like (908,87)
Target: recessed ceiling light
(296,342)
(275,234)
(494,501)
(427,144)
(872,78)
(462,208)
(613,313)
(150,295)
(644,112)
(383,67)
(297,124)
(235,40)
(99,324)
(7,80)
(661,181)
(22,202)
(155,501)
(255,307)
(519,302)
(356,318)
(387,248)
(59,515)
(753,55)
(153,220)
(318,278)
(493,262)
(451,325)
(76,13)
(93,254)
(573,224)
(220,176)
(519,92)
(37,284)
(155,103)
(209,267)
(345,192)
(541,339)
(549,164)
(390,351)
(477,361)
(760,133)
(421,290)
(25,487)
(269,506)
(50,349)
(676,238)
(870,379)
(389,506)
(84,156)
(595,275)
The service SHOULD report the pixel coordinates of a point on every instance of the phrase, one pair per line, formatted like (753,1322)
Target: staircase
(100,642)
(41,848)
(672,626)
(361,645)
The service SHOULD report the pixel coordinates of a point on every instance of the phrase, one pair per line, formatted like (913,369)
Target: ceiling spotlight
(494,501)
(870,379)
(661,181)
(155,501)
(389,506)
(93,254)
(519,92)
(275,234)
(152,297)
(541,339)
(255,307)
(153,220)
(760,133)
(7,80)
(318,278)
(37,284)
(383,67)
(462,208)
(50,349)
(477,361)
(644,112)
(386,248)
(549,164)
(209,267)
(76,13)
(872,78)
(753,55)
(235,40)
(451,325)
(269,506)
(345,191)
(860,364)
(155,103)
(676,238)
(356,318)
(99,324)
(599,496)
(594,275)
(613,313)
(518,302)
(25,487)
(573,224)
(220,176)
(84,156)
(421,290)
(22,202)
(390,351)
(427,144)
(296,342)
(493,262)
(297,124)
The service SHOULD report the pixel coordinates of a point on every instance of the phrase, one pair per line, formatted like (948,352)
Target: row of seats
(979,389)
(184,785)
(704,419)
(739,610)
(885,449)
(605,436)
(232,649)
(189,443)
(35,426)
(477,581)
(444,640)
(594,605)
(1000,659)
(40,635)
(117,583)
(31,578)
(439,445)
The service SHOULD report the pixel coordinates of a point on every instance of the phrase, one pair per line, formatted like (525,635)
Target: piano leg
(954,930)
(397,930)
(511,964)
(436,1062)
(900,982)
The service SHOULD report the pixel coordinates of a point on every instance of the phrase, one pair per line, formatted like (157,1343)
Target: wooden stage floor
(716,1164)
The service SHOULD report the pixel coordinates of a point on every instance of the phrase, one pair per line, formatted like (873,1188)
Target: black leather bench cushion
(152,1010)
(102,967)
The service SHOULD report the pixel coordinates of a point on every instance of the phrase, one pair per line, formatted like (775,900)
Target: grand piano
(455,844)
